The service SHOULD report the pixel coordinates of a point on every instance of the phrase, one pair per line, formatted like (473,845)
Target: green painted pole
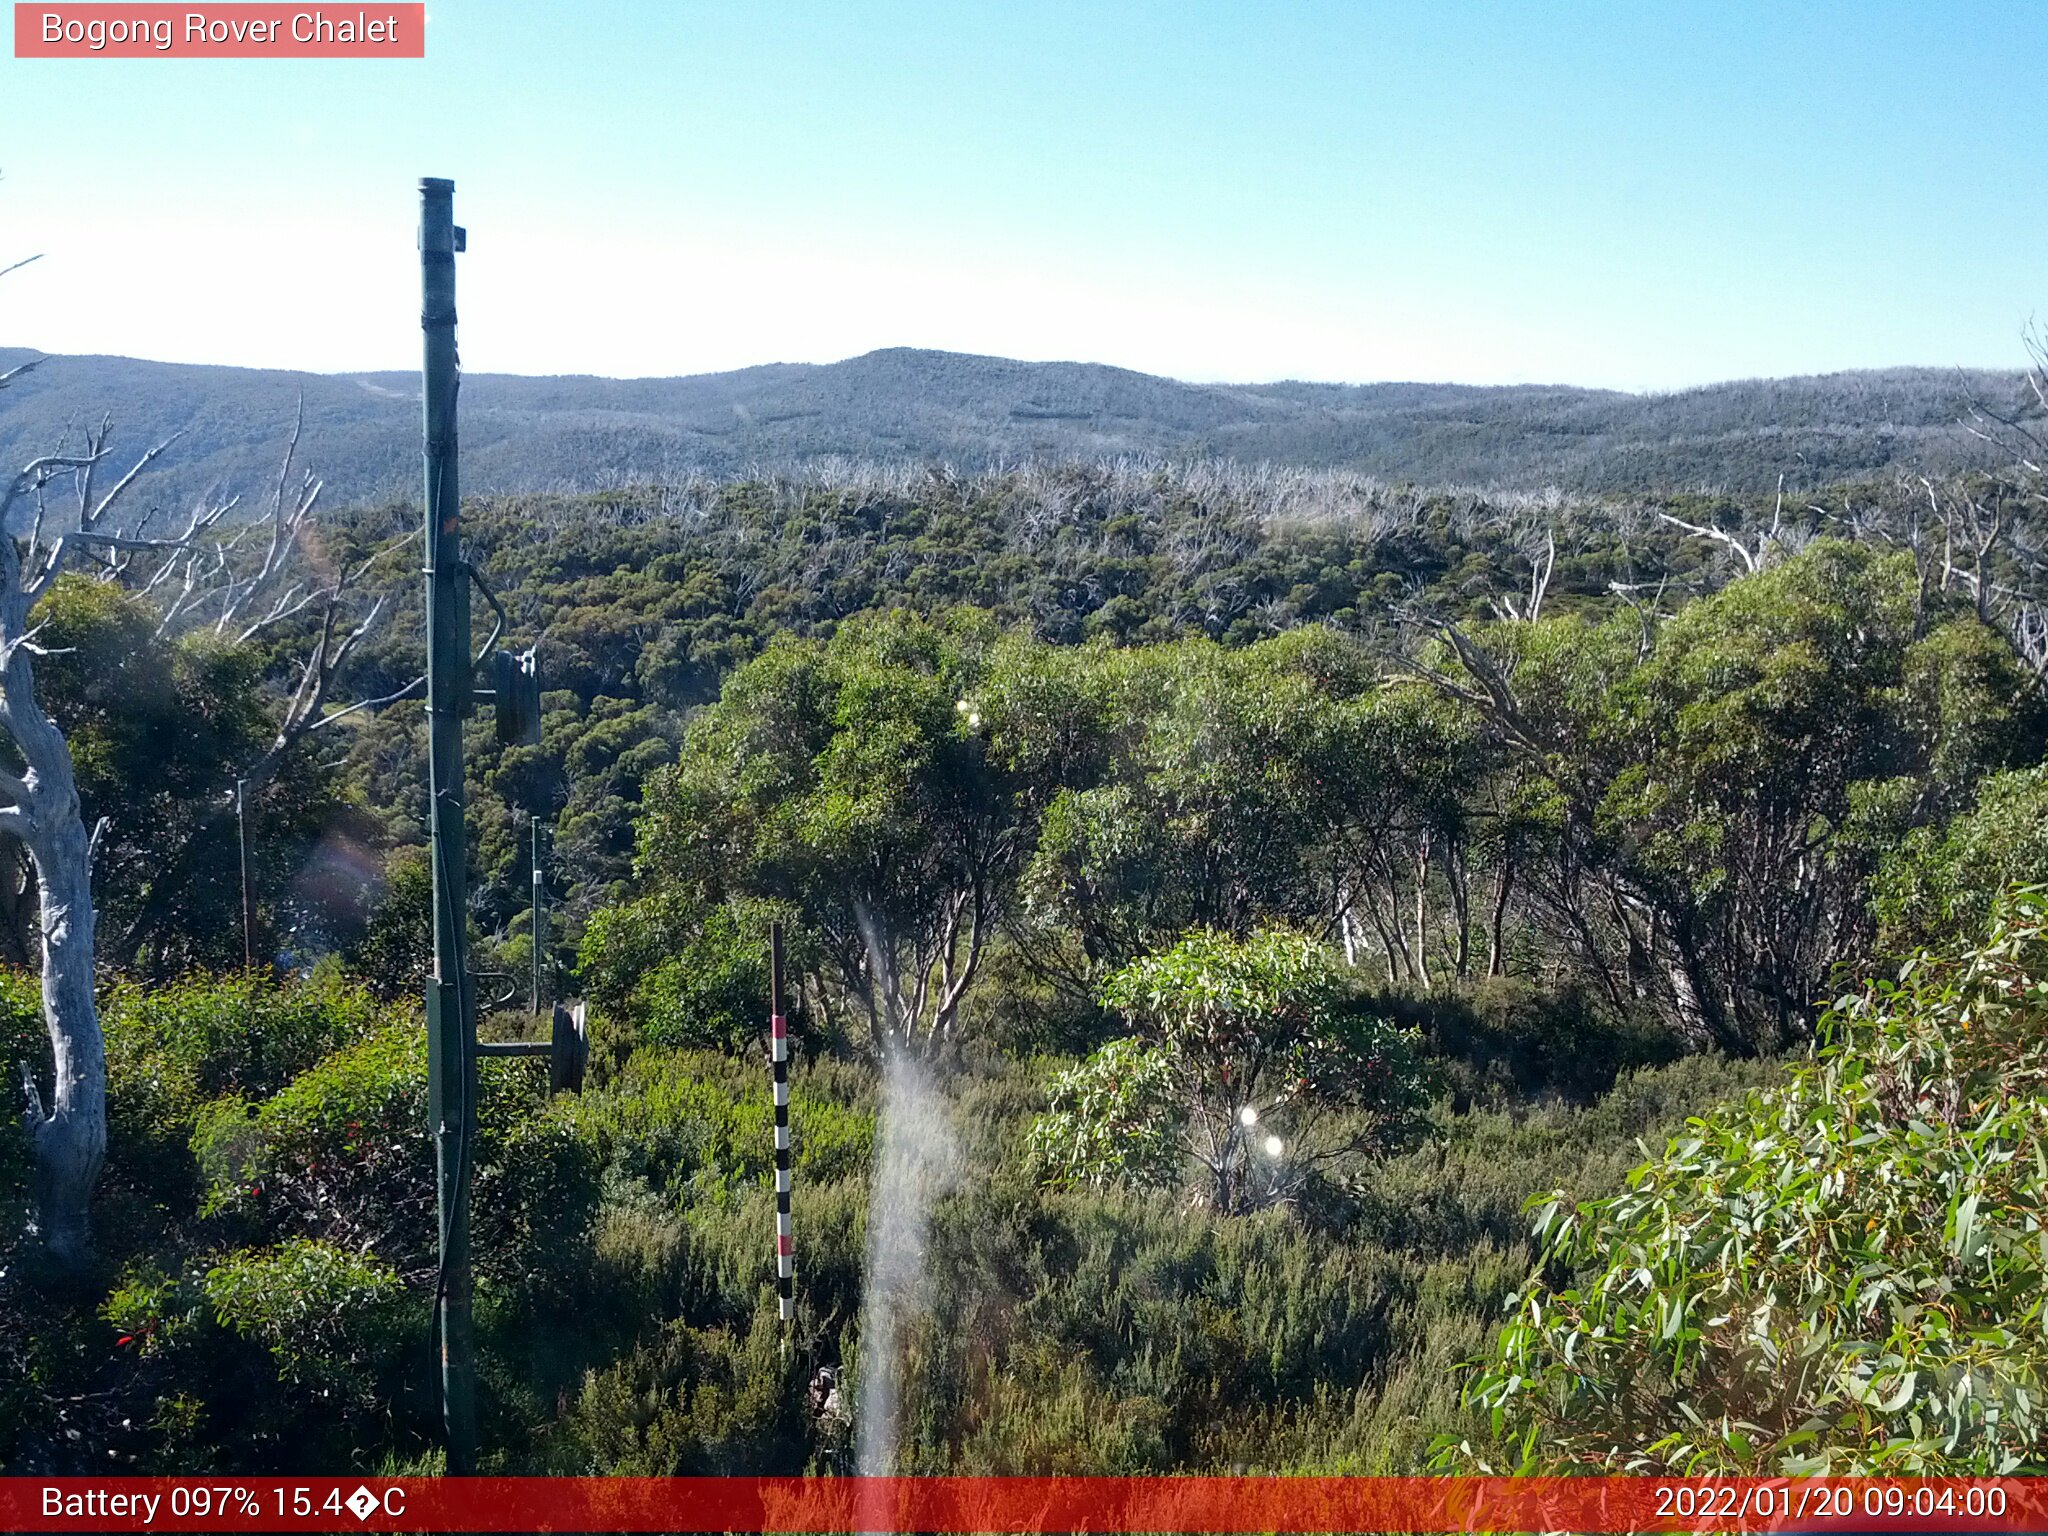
(451,1002)
(540,923)
(248,905)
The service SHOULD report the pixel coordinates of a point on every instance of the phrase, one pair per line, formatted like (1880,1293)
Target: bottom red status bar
(963,1504)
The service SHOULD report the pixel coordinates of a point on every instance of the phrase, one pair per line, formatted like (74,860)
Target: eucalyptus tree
(1719,786)
(884,788)
(1209,802)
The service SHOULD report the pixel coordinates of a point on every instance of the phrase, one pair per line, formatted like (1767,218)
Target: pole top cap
(430,185)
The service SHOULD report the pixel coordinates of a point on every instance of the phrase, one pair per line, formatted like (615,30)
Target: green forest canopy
(1544,806)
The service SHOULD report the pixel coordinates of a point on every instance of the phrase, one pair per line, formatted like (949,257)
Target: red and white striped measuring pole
(778,1050)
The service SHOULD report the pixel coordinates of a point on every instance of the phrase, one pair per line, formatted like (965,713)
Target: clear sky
(1639,195)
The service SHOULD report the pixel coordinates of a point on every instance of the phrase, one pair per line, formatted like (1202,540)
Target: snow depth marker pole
(778,1052)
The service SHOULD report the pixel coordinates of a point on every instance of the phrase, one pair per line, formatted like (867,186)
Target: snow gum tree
(54,518)
(39,807)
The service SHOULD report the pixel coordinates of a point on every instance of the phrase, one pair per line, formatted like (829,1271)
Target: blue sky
(1635,195)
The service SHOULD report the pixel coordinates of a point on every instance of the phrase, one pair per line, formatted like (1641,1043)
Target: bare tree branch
(413,689)
(1750,562)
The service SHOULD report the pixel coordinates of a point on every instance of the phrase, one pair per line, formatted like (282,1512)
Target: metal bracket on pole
(567,1048)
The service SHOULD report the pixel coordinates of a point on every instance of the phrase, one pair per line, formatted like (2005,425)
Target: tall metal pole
(248,906)
(451,1019)
(540,921)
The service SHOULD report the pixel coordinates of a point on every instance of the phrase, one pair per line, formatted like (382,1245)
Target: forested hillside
(1261,883)
(904,405)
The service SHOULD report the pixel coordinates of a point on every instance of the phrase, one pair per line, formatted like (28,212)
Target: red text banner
(231,31)
(963,1504)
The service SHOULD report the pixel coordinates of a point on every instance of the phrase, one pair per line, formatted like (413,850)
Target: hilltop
(580,433)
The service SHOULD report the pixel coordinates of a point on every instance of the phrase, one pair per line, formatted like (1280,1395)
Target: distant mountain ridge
(578,432)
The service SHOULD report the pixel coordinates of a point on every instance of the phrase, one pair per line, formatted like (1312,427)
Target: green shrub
(1844,1274)
(703,1122)
(690,1402)
(23,1038)
(652,1197)
(1106,1329)
(1508,1037)
(342,1153)
(154,1311)
(1939,884)
(293,1355)
(331,1319)
(173,1049)
(1255,1067)
(243,1033)
(1113,1119)
(536,1202)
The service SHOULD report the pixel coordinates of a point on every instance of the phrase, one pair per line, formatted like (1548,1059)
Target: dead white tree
(1541,553)
(39,803)
(1649,611)
(1993,544)
(2019,433)
(39,807)
(1753,560)
(262,574)
(290,576)
(1973,520)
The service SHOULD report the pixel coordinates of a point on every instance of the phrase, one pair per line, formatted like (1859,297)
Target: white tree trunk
(39,807)
(68,1132)
(70,1137)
